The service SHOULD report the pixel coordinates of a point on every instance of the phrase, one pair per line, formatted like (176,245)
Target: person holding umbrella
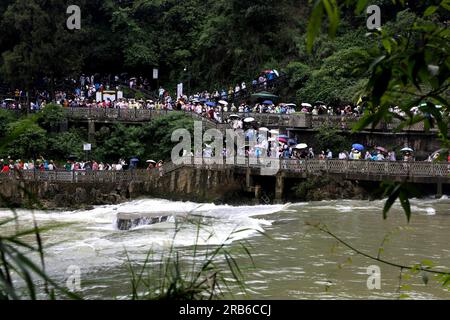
(407,154)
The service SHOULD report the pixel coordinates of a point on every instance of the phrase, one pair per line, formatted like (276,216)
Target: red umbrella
(282,140)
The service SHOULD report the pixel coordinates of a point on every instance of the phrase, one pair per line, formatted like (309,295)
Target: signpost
(179,90)
(87,147)
(156,77)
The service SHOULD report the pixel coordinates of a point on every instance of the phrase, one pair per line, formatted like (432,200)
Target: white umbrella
(272,140)
(276,72)
(274,132)
(291,105)
(263,129)
(407,149)
(301,146)
(306,105)
(151,161)
(234,116)
(223,102)
(248,120)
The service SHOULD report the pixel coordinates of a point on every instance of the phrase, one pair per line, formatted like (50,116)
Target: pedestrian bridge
(420,172)
(270,120)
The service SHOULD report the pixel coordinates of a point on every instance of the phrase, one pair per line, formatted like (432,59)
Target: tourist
(380,156)
(322,155)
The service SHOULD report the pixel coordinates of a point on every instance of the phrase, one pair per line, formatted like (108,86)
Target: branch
(421,268)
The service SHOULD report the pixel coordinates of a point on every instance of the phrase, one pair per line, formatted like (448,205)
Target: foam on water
(92,238)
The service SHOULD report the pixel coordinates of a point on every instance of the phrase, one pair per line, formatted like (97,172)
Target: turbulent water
(294,260)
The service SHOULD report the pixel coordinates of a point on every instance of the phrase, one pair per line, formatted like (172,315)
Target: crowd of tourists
(42,165)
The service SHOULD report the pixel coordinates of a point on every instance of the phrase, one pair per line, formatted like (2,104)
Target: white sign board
(179,90)
(155,74)
(87,147)
(109,95)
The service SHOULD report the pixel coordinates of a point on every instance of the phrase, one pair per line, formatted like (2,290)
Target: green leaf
(446,5)
(404,201)
(430,10)
(315,22)
(360,6)
(333,16)
(390,201)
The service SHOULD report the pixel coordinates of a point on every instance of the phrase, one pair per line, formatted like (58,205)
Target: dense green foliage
(329,137)
(220,43)
(36,136)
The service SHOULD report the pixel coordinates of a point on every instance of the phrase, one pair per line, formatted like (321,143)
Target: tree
(31,143)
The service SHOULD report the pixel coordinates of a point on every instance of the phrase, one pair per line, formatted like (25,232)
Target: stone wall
(185,184)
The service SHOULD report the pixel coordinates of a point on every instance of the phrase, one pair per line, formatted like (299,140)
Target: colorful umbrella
(301,146)
(384,150)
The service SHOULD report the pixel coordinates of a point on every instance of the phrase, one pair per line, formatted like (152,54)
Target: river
(292,260)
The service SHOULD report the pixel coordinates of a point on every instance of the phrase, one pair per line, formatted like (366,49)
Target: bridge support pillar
(91,131)
(439,192)
(279,188)
(249,179)
(258,193)
(172,181)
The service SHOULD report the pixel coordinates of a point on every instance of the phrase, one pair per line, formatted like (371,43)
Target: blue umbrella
(134,160)
(358,147)
(203,100)
(211,104)
(283,136)
(292,142)
(268,102)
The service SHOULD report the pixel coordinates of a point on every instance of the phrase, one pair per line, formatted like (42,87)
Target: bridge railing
(296,120)
(315,167)
(363,167)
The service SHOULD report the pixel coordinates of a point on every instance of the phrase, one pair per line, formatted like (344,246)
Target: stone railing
(344,167)
(271,120)
(314,167)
